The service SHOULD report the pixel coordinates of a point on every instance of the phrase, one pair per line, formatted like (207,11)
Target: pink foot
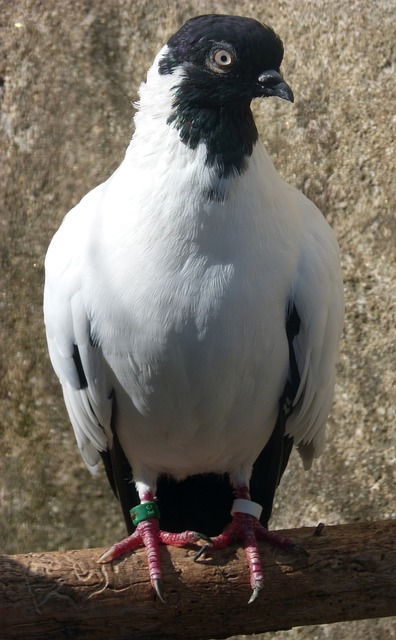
(247,529)
(149,535)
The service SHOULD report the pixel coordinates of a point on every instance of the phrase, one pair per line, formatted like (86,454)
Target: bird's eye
(222,58)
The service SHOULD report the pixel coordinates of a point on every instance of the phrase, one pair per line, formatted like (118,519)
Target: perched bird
(194,305)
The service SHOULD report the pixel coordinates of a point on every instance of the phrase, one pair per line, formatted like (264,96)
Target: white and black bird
(194,304)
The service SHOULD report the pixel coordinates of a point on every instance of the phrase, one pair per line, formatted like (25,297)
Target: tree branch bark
(350,574)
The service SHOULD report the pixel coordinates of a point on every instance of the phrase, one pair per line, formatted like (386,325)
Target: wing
(77,362)
(319,301)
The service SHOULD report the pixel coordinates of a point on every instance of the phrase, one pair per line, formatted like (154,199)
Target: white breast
(190,311)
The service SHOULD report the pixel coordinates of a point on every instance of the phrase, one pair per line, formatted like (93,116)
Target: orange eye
(223,58)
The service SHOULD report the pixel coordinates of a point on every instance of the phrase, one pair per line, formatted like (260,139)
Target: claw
(107,556)
(202,551)
(255,594)
(203,536)
(157,584)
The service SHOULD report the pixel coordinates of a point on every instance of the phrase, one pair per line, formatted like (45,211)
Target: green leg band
(144,511)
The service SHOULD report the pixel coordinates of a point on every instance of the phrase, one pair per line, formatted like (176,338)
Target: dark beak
(271,83)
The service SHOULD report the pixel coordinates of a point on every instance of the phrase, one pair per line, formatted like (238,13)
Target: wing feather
(319,301)
(78,363)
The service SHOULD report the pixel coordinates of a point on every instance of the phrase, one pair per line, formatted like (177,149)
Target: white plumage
(174,283)
(187,301)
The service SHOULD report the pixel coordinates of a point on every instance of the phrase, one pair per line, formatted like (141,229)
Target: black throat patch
(229,132)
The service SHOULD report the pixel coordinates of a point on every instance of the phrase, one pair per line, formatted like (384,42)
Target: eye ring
(221,59)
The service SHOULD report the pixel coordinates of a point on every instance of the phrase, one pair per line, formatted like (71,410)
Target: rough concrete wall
(68,76)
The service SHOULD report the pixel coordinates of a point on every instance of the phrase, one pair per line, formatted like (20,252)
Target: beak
(271,83)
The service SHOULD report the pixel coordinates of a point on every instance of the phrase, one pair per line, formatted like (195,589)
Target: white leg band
(247,506)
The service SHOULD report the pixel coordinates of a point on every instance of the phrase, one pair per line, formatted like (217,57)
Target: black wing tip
(79,367)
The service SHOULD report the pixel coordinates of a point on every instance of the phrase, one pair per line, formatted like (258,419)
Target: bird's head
(203,81)
(226,61)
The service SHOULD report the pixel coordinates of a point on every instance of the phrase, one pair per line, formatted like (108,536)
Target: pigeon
(193,306)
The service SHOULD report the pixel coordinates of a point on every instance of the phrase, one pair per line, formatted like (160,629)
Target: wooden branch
(350,574)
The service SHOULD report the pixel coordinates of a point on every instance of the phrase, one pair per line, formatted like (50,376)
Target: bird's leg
(145,516)
(149,535)
(246,528)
